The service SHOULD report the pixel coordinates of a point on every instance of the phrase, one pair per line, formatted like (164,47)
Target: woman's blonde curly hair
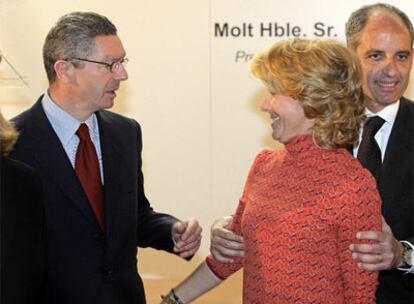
(8,136)
(325,77)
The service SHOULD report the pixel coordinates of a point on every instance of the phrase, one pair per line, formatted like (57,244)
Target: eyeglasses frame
(111,66)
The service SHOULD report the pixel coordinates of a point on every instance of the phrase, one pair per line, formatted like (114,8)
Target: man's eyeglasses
(113,67)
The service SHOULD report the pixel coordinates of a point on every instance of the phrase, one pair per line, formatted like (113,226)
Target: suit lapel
(112,160)
(53,161)
(398,155)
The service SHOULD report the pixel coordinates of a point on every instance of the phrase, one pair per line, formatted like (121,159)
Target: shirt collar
(65,124)
(389,113)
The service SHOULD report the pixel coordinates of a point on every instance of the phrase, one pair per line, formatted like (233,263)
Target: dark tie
(87,170)
(369,154)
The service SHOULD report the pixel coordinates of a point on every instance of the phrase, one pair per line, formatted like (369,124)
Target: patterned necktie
(369,153)
(87,170)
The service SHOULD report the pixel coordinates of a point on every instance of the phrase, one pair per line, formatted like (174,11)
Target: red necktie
(87,170)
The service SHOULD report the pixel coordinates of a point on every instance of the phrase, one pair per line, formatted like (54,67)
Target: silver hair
(73,37)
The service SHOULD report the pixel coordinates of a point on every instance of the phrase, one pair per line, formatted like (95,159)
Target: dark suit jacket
(85,265)
(395,186)
(22,235)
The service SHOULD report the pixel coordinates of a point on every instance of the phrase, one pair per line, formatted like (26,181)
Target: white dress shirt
(388,114)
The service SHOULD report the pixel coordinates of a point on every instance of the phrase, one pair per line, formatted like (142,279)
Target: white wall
(198,107)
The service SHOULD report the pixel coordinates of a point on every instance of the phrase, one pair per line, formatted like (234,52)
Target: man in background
(89,161)
(382,37)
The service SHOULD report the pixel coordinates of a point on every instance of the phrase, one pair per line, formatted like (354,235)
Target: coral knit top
(300,210)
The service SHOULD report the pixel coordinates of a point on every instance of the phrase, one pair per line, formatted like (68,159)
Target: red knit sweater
(300,210)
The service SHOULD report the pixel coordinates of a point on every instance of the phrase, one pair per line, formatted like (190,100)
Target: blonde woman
(22,228)
(303,204)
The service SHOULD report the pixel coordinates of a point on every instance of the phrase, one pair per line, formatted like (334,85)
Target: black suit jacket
(85,265)
(395,186)
(22,235)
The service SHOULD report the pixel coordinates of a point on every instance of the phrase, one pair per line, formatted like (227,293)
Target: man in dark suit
(22,227)
(382,37)
(90,165)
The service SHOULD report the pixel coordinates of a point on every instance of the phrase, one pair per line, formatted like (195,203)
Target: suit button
(107,271)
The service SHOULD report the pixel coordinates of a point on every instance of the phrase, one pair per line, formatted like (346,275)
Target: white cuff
(410,268)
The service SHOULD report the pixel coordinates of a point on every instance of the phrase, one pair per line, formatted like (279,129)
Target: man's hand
(187,235)
(224,243)
(385,253)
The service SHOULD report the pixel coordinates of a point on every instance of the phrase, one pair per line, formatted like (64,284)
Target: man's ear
(65,71)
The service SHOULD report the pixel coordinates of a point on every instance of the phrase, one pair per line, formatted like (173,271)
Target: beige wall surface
(194,98)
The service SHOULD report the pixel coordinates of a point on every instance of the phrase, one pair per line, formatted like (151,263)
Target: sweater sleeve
(222,270)
(360,210)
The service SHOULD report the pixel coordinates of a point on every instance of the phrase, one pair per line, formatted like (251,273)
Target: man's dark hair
(358,20)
